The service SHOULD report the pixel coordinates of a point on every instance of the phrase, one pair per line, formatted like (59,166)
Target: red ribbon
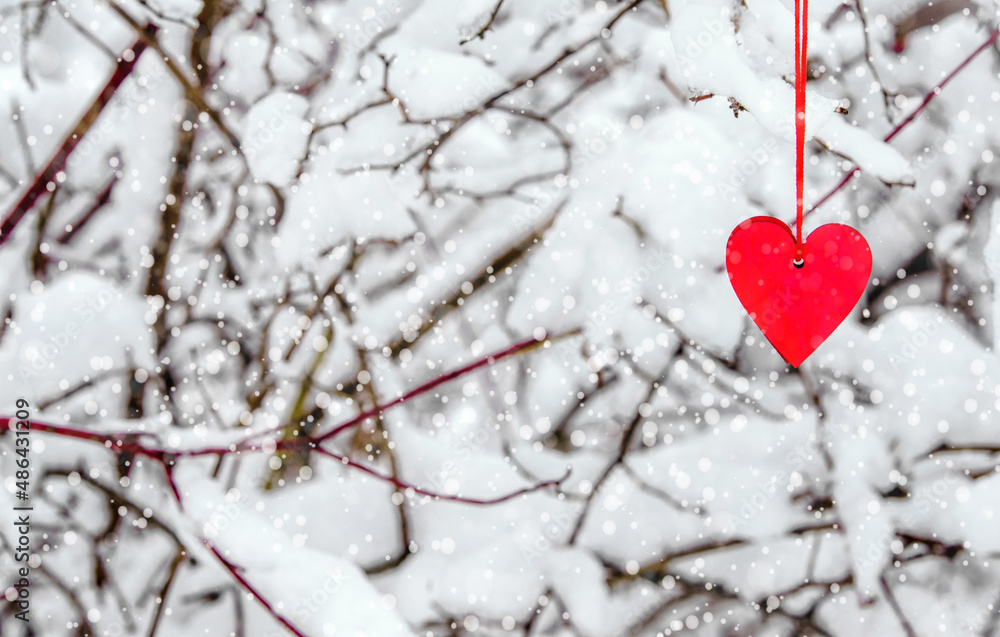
(801,71)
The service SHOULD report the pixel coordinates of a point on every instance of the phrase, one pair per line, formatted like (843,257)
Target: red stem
(238,576)
(126,64)
(129,442)
(934,92)
(101,200)
(426,387)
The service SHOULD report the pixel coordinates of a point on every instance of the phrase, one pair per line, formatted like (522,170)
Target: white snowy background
(291,212)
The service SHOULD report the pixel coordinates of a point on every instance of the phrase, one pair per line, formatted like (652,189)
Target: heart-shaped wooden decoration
(797,308)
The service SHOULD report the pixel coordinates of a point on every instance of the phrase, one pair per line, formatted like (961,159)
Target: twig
(623,448)
(396,482)
(870,59)
(934,92)
(100,200)
(47,178)
(486,275)
(130,443)
(175,564)
(524,346)
(481,34)
(891,598)
(82,30)
(191,92)
(237,574)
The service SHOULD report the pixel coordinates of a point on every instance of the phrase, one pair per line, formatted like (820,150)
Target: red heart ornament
(797,308)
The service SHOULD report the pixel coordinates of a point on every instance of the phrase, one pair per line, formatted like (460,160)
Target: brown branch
(950,448)
(175,564)
(214,11)
(659,565)
(487,275)
(481,34)
(927,15)
(400,484)
(623,448)
(870,59)
(429,150)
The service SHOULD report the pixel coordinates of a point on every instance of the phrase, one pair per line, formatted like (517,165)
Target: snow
(245,55)
(320,593)
(576,577)
(437,84)
(275,135)
(875,158)
(406,199)
(61,326)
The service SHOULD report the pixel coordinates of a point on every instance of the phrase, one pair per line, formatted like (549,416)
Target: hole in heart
(798,263)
